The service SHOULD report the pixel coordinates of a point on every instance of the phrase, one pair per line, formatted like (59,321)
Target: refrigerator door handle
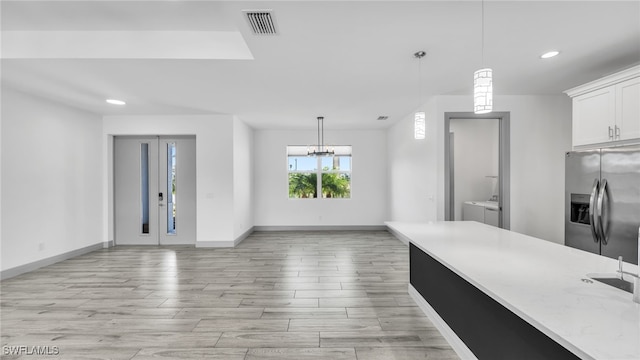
(599,211)
(592,210)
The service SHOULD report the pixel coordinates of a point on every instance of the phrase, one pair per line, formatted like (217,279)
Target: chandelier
(320,149)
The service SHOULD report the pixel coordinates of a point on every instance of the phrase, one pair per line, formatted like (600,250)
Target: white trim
(215,244)
(456,343)
(19,270)
(612,79)
(225,243)
(243,236)
(608,144)
(322,228)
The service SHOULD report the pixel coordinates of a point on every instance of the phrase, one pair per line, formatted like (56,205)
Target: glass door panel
(171,188)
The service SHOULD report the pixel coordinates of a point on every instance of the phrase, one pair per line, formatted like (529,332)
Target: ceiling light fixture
(116,102)
(320,149)
(549,54)
(419,124)
(483,83)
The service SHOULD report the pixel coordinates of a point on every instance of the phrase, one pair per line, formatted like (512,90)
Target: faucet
(636,280)
(636,277)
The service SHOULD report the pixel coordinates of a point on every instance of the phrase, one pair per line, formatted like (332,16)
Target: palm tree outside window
(310,176)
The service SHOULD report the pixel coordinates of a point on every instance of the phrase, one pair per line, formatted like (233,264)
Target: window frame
(319,171)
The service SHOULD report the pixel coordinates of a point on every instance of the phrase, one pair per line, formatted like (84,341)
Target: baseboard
(322,228)
(19,270)
(225,243)
(215,244)
(245,235)
(109,244)
(405,240)
(458,345)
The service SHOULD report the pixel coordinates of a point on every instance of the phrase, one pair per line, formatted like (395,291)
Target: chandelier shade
(419,126)
(483,91)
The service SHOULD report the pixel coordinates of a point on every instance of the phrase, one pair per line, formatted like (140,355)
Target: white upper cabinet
(607,111)
(594,117)
(628,105)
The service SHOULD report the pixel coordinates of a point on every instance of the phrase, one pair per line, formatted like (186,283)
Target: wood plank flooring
(278,295)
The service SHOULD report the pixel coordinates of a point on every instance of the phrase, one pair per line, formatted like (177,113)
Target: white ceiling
(350,61)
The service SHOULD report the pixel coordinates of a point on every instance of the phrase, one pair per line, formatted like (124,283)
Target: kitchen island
(499,294)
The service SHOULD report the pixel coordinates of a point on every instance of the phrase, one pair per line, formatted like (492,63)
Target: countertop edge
(551,334)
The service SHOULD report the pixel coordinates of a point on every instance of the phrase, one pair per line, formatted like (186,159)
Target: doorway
(155,190)
(477,180)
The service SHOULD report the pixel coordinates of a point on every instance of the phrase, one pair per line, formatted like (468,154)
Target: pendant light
(320,149)
(483,83)
(419,124)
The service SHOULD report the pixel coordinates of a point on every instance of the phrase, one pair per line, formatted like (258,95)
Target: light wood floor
(278,295)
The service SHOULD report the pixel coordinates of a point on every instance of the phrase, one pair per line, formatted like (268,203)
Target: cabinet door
(628,106)
(491,216)
(472,212)
(593,116)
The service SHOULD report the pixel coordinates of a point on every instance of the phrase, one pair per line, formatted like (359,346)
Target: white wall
(413,182)
(540,135)
(214,164)
(1,99)
(51,179)
(475,157)
(243,177)
(367,205)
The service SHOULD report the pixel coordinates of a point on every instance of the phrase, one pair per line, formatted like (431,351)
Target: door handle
(610,133)
(592,210)
(599,211)
(617,132)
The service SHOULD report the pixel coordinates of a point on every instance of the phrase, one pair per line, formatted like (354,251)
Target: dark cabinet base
(489,330)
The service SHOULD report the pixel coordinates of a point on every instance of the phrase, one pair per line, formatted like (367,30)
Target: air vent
(382,117)
(261,22)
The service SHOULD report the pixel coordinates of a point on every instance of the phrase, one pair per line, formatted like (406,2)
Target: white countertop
(487,204)
(539,281)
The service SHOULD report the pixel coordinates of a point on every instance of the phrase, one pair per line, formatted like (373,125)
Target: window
(329,176)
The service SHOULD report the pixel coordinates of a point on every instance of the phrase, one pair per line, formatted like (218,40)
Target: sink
(613,280)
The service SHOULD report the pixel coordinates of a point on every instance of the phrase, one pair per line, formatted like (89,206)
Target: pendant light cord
(482,40)
(319,146)
(419,55)
(322,138)
(419,80)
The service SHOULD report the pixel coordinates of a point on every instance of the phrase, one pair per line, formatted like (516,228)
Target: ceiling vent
(261,22)
(382,117)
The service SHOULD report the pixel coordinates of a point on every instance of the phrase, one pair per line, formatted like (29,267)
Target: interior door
(136,187)
(155,190)
(177,190)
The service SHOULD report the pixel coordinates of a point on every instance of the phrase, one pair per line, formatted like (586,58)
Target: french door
(155,190)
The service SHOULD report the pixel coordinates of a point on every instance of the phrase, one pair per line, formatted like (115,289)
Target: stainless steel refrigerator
(602,201)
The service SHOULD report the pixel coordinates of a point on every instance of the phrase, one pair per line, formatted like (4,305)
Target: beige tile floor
(278,295)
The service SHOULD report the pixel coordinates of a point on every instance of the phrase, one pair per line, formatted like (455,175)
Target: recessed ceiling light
(549,54)
(116,102)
